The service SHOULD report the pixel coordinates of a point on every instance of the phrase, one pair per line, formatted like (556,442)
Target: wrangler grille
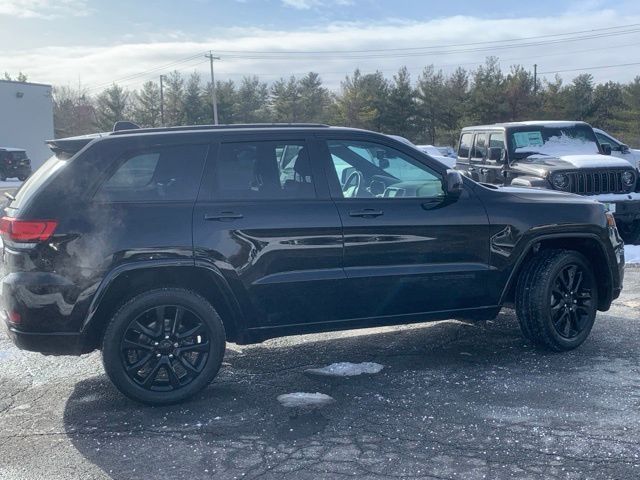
(600,181)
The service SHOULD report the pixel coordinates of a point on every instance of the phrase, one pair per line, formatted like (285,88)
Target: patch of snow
(305,400)
(557,146)
(346,369)
(549,123)
(594,161)
(632,254)
(615,197)
(10,183)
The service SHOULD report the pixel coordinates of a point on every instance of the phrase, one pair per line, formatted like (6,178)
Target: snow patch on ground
(632,254)
(303,399)
(10,183)
(346,369)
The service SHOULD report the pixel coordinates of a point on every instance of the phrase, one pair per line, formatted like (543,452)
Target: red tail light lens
(27,230)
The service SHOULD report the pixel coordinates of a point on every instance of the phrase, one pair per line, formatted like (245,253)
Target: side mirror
(454,183)
(624,148)
(606,148)
(495,154)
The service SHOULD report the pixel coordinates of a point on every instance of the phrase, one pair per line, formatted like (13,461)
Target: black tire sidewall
(572,258)
(116,328)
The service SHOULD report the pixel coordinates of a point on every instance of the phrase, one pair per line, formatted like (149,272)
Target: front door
(408,247)
(265,220)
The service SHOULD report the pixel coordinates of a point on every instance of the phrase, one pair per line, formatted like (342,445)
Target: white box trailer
(26,118)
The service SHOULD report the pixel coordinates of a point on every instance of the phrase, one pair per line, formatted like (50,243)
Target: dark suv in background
(564,156)
(157,246)
(14,162)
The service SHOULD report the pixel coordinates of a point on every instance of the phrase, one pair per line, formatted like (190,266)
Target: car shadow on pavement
(440,382)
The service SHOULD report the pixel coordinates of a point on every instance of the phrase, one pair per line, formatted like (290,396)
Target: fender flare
(557,236)
(216,274)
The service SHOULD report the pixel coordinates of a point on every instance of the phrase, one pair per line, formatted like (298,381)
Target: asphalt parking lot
(454,400)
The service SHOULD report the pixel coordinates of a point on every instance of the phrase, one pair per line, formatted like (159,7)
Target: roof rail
(222,127)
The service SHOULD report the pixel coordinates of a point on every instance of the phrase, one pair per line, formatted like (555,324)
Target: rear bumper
(46,343)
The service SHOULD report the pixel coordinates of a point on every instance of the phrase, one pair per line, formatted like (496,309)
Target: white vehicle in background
(619,149)
(430,150)
(436,153)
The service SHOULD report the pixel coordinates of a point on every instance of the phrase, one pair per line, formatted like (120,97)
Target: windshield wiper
(9,196)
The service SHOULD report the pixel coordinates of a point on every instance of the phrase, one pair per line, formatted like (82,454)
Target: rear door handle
(366,213)
(223,216)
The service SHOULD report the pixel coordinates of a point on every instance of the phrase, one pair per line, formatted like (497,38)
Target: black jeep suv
(14,162)
(157,246)
(563,156)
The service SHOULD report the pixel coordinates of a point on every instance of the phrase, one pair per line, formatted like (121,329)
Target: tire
(145,358)
(3,178)
(630,232)
(555,307)
(22,178)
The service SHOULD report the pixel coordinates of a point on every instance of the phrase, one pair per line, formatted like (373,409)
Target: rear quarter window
(36,181)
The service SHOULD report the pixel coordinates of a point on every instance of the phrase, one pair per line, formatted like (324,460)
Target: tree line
(431,109)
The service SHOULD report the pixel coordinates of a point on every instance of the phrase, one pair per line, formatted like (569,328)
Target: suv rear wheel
(556,299)
(163,346)
(630,232)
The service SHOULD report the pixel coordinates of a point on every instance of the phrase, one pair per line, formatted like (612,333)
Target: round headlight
(560,181)
(628,178)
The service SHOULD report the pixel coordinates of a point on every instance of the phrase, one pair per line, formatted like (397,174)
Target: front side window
(615,146)
(164,173)
(263,171)
(372,170)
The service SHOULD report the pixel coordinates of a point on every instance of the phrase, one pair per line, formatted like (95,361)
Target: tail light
(27,230)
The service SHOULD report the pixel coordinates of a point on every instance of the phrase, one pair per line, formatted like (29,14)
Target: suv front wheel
(163,346)
(556,299)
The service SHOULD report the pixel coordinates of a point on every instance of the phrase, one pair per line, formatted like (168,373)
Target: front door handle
(366,213)
(223,216)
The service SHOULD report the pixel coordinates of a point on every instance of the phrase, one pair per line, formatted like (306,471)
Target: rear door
(408,248)
(265,219)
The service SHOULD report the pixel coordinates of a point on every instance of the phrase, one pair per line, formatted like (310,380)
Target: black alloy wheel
(165,348)
(571,301)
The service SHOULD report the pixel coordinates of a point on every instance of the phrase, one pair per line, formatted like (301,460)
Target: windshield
(552,141)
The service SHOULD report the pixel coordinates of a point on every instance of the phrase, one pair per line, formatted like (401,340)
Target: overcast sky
(97,42)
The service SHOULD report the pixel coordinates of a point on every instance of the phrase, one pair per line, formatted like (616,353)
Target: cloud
(309,4)
(43,9)
(99,65)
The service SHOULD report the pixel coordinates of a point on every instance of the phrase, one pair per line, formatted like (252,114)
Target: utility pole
(213,87)
(161,101)
(535,78)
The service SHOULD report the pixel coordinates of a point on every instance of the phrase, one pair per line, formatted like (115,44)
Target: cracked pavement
(455,400)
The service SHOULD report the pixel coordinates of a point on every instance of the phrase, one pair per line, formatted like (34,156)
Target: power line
(593,68)
(436,52)
(306,52)
(411,51)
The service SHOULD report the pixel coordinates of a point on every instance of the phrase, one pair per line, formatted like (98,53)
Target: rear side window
(164,173)
(465,145)
(263,171)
